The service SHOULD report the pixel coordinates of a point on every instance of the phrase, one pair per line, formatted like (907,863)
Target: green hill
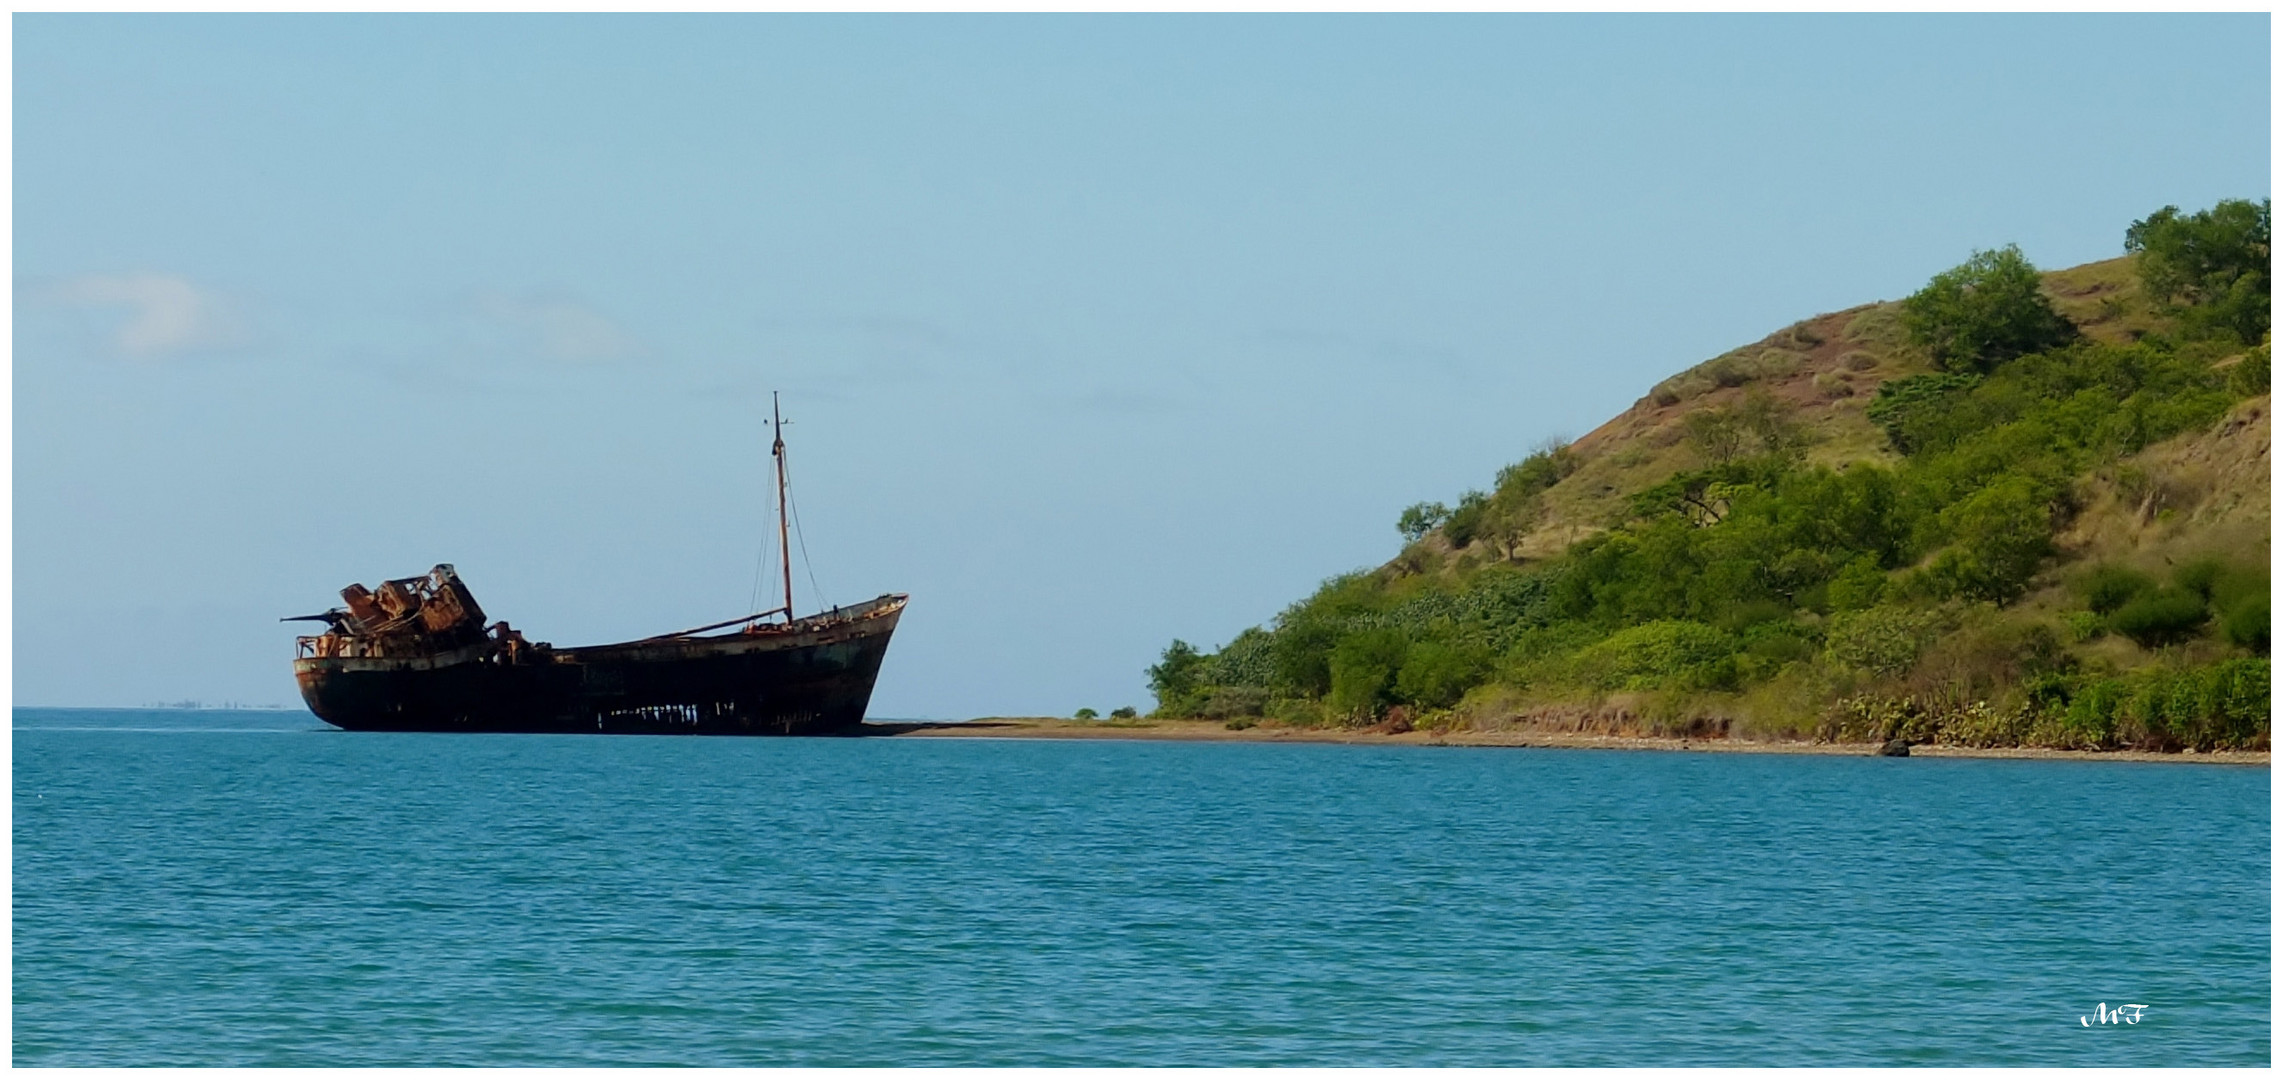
(2015,508)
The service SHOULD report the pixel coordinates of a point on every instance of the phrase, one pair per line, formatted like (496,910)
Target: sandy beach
(1033,727)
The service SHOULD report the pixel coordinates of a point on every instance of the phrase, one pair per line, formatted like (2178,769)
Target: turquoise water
(254,889)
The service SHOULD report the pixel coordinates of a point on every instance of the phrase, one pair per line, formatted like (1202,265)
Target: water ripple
(243,890)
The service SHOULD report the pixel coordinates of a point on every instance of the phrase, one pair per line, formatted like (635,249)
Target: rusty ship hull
(425,662)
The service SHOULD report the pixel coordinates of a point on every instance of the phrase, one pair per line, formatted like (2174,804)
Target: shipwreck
(417,654)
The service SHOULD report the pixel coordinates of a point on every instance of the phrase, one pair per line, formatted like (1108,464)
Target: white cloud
(561,329)
(166,313)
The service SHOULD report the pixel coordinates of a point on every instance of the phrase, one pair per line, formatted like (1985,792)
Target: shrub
(1858,585)
(1123,712)
(2142,488)
(1769,653)
(1436,675)
(1466,521)
(2222,706)
(1775,364)
(1984,312)
(1363,667)
(1752,613)
(1879,326)
(2200,576)
(2107,588)
(1782,648)
(1884,640)
(1869,718)
(1541,470)
(2038,650)
(2224,587)
(2091,720)
(2246,624)
(1719,673)
(1978,723)
(1225,702)
(1657,653)
(2164,617)
(1728,372)
(1084,714)
(1543,655)
(1984,658)
(1300,655)
(2049,691)
(1297,712)
(1903,406)
(2004,533)
(2251,376)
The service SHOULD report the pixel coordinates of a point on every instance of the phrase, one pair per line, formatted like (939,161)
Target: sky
(1095,331)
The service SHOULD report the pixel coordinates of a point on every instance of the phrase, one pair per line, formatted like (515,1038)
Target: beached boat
(415,654)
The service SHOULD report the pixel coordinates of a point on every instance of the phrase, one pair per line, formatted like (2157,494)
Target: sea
(256,889)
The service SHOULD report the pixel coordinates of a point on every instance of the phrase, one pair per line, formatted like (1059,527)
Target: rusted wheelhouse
(403,618)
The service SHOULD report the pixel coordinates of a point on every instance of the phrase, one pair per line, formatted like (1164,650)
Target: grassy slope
(2199,493)
(1826,368)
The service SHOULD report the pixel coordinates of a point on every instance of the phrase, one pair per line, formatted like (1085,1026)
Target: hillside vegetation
(2014,508)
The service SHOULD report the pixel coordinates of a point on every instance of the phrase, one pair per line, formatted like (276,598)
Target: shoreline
(1035,727)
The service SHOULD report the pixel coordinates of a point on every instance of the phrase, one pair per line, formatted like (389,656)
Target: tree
(1363,667)
(1419,519)
(1175,678)
(1300,657)
(1771,422)
(1984,312)
(2002,534)
(1858,585)
(1905,406)
(1722,433)
(2164,617)
(1716,433)
(1545,467)
(1437,675)
(2215,260)
(1460,528)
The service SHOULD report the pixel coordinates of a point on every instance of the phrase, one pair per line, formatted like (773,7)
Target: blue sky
(1097,331)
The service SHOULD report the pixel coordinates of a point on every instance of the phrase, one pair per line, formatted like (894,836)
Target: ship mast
(784,545)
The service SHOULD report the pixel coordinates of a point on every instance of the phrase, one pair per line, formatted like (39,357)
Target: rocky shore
(1004,727)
